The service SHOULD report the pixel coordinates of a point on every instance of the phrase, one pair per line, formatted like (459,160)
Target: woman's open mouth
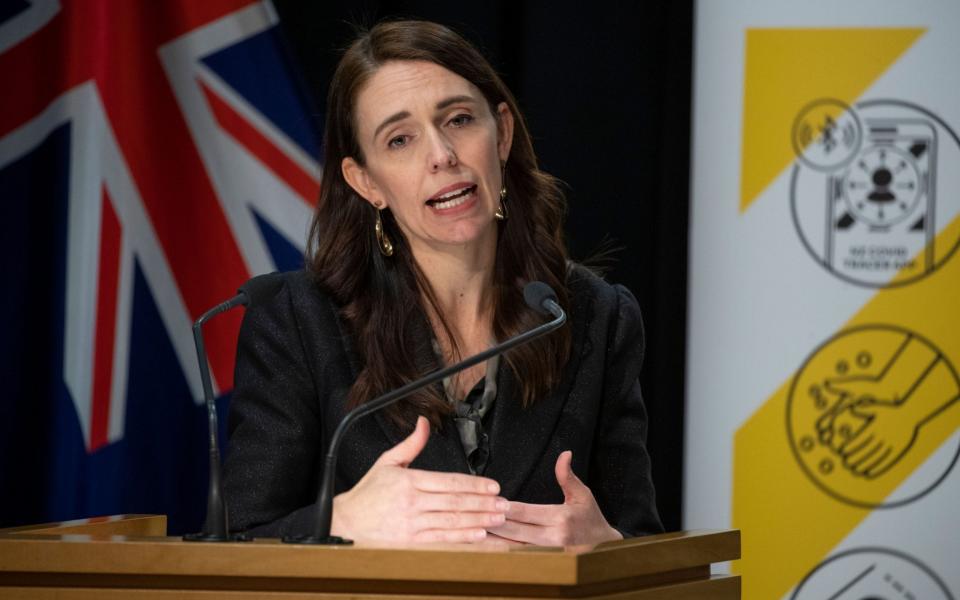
(452,199)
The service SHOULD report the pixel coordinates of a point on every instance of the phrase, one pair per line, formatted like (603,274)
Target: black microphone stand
(216,527)
(541,299)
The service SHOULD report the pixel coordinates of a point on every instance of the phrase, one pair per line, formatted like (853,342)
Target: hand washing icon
(864,402)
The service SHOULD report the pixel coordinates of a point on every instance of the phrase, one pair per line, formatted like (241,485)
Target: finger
(824,423)
(570,484)
(462,503)
(406,451)
(851,387)
(873,469)
(846,432)
(534,514)
(457,520)
(864,411)
(525,532)
(853,459)
(885,465)
(453,536)
(825,429)
(855,444)
(856,459)
(839,388)
(454,483)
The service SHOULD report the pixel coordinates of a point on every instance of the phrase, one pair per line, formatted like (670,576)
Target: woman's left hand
(577,521)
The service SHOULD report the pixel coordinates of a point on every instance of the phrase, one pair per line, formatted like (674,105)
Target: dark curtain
(605,88)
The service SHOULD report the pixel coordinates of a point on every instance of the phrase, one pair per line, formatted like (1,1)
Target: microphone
(216,527)
(538,296)
(541,298)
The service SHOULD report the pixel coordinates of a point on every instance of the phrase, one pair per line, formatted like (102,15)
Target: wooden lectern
(128,556)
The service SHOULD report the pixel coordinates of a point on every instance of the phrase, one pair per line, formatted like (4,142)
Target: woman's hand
(577,521)
(395,504)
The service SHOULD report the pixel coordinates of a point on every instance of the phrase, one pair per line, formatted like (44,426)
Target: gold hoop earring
(383,242)
(501,213)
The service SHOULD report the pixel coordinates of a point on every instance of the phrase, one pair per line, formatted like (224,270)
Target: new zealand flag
(153,157)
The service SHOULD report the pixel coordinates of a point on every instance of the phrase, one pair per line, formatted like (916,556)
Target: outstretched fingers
(535,514)
(462,502)
(528,533)
(452,536)
(454,483)
(458,520)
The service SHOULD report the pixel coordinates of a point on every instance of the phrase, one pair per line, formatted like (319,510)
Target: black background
(606,92)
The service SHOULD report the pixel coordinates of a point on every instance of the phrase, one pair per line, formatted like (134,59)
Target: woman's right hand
(393,503)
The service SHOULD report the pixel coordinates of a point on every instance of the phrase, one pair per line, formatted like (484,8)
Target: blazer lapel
(443,451)
(519,435)
(389,430)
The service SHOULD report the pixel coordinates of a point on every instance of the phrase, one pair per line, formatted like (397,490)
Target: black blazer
(295,365)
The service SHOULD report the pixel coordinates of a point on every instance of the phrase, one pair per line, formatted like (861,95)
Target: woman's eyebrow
(404,114)
(391,119)
(453,100)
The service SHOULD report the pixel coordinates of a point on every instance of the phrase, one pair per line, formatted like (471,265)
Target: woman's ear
(358,178)
(504,131)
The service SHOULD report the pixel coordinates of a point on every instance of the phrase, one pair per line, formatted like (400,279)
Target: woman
(432,215)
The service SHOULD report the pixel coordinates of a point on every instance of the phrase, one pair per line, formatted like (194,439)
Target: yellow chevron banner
(785,68)
(856,421)
(823,385)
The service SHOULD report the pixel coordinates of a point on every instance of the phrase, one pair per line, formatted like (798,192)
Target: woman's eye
(461,120)
(397,142)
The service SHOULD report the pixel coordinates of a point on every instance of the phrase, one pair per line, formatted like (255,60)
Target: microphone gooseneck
(216,526)
(546,304)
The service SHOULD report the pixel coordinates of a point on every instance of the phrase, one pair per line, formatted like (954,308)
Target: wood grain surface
(129,556)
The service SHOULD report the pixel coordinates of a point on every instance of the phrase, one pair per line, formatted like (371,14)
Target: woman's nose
(442,155)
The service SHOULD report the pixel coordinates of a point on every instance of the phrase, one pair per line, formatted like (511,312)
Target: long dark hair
(382,298)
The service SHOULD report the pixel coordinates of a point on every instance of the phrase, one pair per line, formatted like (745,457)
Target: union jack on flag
(153,157)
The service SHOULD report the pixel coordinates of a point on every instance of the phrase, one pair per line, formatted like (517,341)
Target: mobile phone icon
(880,207)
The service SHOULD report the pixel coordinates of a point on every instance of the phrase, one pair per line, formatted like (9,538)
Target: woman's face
(433,151)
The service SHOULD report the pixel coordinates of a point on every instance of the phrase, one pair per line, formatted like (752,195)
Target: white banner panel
(823,397)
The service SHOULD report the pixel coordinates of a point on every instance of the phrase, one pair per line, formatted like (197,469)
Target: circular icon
(866,408)
(871,574)
(874,209)
(883,187)
(826,134)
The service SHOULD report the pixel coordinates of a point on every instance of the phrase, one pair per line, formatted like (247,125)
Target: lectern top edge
(79,554)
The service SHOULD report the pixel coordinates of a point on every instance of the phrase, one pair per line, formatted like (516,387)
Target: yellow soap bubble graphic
(859,411)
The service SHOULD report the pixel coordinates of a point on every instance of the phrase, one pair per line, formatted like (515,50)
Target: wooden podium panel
(129,556)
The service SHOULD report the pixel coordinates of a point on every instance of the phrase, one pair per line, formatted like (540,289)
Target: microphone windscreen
(261,287)
(536,293)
